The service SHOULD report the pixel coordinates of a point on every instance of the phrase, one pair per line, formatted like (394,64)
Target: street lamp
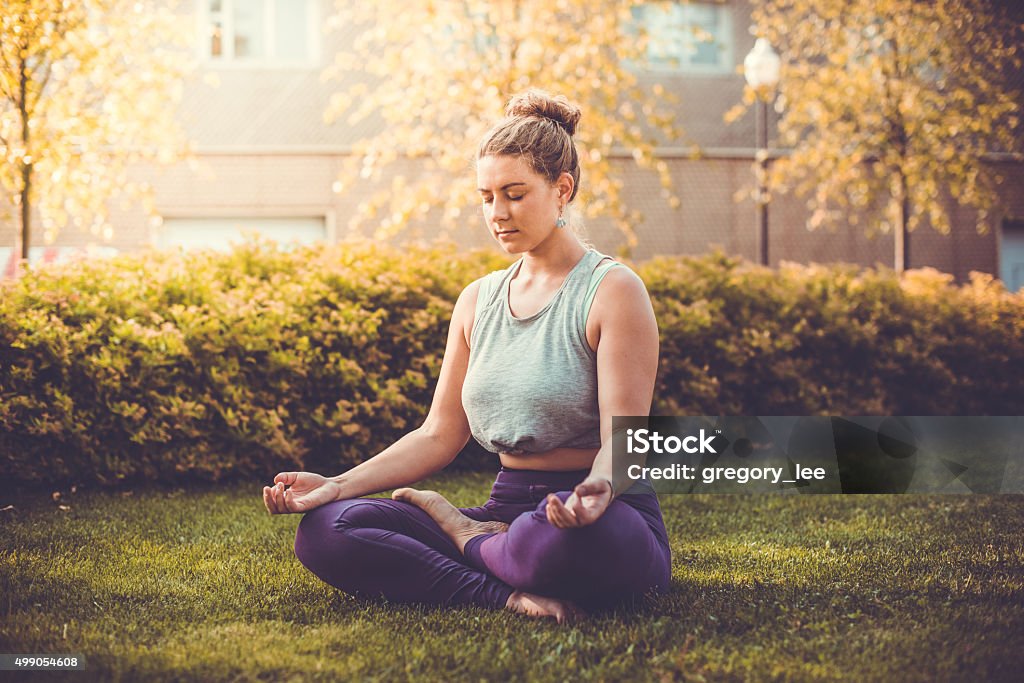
(761,69)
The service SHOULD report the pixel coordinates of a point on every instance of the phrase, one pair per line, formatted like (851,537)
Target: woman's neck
(553,258)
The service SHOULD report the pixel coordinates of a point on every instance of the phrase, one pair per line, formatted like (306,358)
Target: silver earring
(560,223)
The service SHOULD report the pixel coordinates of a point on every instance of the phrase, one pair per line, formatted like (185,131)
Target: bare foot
(458,526)
(539,606)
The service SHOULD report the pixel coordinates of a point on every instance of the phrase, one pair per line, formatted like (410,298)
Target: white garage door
(221,233)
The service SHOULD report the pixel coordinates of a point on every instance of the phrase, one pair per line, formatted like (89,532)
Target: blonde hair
(539,127)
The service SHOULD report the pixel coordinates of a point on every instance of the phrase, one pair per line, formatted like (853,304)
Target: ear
(564,184)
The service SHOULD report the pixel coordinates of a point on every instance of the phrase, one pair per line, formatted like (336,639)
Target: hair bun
(535,102)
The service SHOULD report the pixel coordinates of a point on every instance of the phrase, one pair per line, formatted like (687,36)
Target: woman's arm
(623,330)
(416,455)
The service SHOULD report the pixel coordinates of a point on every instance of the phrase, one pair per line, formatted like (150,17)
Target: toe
(403,494)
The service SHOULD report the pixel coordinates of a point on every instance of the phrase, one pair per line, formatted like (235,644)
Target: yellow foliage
(886,98)
(441,73)
(101,82)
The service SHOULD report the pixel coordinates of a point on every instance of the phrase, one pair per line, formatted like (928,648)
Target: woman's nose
(499,210)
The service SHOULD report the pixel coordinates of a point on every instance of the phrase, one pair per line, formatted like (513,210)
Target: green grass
(202,585)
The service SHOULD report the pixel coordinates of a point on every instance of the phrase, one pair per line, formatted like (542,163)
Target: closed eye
(489,199)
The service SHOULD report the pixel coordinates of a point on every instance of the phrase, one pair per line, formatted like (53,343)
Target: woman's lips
(506,233)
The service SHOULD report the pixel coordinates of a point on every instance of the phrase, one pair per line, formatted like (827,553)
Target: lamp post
(761,69)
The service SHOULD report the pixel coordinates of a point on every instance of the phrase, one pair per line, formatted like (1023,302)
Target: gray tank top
(531,385)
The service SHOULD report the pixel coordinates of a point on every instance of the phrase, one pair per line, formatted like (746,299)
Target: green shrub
(215,366)
(738,339)
(212,365)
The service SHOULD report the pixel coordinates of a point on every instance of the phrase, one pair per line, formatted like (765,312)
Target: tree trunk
(26,163)
(26,209)
(905,213)
(901,237)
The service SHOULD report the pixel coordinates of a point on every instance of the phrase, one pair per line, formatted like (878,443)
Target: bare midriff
(555,460)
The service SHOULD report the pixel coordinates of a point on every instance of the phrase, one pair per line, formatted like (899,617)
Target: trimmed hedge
(738,339)
(213,366)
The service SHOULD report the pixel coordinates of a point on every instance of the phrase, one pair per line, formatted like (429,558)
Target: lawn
(201,584)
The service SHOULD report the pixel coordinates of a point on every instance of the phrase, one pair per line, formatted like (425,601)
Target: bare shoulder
(465,309)
(621,287)
(621,306)
(469,293)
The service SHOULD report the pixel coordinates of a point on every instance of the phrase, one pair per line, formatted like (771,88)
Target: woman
(539,358)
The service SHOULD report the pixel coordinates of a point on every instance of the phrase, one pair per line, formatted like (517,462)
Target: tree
(887,102)
(435,75)
(87,88)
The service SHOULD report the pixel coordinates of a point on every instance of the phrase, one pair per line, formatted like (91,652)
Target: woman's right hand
(299,492)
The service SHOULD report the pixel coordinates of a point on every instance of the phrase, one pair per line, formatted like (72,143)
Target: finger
(593,488)
(563,516)
(578,516)
(272,503)
(586,511)
(552,511)
(273,499)
(569,514)
(574,504)
(287,478)
(266,500)
(556,518)
(281,505)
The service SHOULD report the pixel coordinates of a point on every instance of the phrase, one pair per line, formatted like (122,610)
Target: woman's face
(520,205)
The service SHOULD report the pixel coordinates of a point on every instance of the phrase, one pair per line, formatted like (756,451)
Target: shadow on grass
(203,585)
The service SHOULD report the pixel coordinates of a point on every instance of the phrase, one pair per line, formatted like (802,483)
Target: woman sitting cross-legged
(539,358)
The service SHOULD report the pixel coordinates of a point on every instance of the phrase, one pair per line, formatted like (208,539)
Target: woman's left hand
(584,506)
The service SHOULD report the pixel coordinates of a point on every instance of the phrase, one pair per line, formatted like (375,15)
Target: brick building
(267,160)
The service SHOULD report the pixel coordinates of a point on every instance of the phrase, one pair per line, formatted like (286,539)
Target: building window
(691,37)
(221,233)
(38,256)
(275,32)
(1011,255)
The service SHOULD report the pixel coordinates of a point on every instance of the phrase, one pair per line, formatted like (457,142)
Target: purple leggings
(380,547)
